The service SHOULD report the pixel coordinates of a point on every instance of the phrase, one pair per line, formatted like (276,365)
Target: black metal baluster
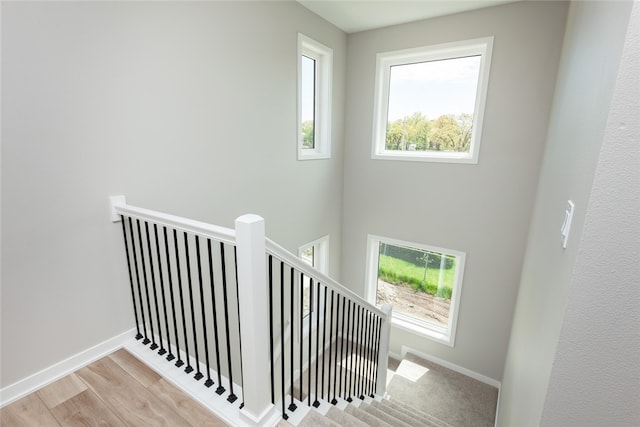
(364,353)
(133,294)
(179,363)
(209,381)
(220,388)
(282,361)
(164,300)
(340,391)
(354,372)
(301,331)
(273,400)
(324,341)
(170,357)
(376,343)
(361,365)
(198,374)
(235,266)
(367,355)
(310,337)
(317,402)
(375,374)
(374,356)
(146,289)
(347,372)
(335,358)
(232,397)
(153,286)
(351,353)
(330,347)
(292,406)
(135,262)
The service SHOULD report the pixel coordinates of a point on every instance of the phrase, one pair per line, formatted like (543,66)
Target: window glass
(308,88)
(429,102)
(422,283)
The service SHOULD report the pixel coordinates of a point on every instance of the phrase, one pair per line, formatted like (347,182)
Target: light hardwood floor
(117,390)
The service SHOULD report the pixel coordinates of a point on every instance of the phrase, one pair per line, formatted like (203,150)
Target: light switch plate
(566,226)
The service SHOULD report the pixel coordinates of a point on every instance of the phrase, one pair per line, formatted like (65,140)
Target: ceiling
(361,15)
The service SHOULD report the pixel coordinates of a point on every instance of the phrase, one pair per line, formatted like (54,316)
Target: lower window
(421,282)
(316,254)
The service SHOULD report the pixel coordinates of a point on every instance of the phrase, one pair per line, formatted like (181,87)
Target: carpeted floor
(452,397)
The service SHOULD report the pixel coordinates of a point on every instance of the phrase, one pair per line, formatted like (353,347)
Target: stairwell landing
(419,393)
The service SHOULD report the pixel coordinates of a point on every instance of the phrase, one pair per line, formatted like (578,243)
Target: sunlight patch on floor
(411,371)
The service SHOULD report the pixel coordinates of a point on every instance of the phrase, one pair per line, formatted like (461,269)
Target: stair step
(344,418)
(369,419)
(402,416)
(384,416)
(314,419)
(415,413)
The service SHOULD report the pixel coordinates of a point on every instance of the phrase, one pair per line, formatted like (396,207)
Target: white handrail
(284,255)
(223,234)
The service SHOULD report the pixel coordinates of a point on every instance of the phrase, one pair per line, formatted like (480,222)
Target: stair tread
(313,419)
(371,420)
(415,413)
(344,418)
(410,419)
(388,418)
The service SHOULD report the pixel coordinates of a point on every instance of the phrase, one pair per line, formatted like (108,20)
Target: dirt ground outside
(414,303)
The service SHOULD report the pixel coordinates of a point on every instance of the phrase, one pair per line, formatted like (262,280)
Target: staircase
(374,413)
(419,393)
(315,353)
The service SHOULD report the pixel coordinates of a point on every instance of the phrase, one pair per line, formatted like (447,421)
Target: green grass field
(397,271)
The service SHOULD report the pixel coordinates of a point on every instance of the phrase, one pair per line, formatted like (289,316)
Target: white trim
(384,62)
(459,369)
(321,250)
(426,329)
(284,255)
(223,234)
(228,412)
(323,56)
(34,382)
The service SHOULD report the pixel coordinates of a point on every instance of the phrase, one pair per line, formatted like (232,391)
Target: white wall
(188,108)
(591,54)
(484,209)
(595,379)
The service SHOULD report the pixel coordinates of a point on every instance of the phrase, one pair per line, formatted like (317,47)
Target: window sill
(312,155)
(417,156)
(402,322)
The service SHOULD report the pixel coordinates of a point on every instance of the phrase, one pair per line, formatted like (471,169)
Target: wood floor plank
(61,390)
(138,370)
(86,409)
(28,411)
(127,397)
(184,406)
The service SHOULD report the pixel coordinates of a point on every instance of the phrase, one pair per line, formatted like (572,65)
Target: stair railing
(200,292)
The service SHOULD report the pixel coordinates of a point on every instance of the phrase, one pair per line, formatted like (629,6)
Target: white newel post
(254,320)
(383,354)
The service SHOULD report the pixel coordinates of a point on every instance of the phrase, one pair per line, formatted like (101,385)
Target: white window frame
(445,335)
(384,62)
(320,251)
(323,56)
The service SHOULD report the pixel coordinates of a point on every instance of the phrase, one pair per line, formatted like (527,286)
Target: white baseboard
(19,389)
(453,367)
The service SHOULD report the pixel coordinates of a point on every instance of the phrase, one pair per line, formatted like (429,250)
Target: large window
(315,65)
(429,102)
(422,283)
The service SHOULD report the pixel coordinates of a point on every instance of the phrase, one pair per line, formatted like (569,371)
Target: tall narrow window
(316,254)
(315,64)
(422,283)
(430,102)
